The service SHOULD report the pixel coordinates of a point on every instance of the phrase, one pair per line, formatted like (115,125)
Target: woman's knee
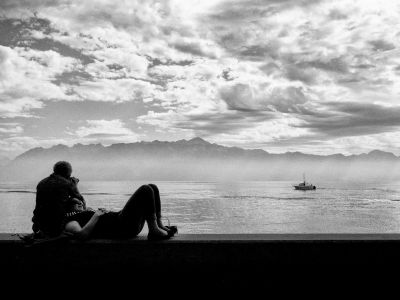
(153,186)
(145,188)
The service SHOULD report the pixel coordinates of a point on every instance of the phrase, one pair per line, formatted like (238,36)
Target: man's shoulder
(53,180)
(43,181)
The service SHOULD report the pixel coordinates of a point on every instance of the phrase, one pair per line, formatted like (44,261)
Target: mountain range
(197,159)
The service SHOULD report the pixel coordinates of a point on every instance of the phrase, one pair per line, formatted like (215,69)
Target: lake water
(237,207)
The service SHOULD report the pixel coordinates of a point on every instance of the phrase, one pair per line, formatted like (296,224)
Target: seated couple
(60,208)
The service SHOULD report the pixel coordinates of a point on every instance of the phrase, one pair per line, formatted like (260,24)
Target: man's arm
(83,233)
(75,191)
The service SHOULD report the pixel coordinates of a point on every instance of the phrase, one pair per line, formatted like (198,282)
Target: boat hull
(305,188)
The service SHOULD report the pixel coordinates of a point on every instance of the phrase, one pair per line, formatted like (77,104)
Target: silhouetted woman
(144,206)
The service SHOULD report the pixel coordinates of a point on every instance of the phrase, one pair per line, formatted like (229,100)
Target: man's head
(63,168)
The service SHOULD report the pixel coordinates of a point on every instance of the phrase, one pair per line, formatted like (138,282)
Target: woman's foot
(158,234)
(161,225)
(172,230)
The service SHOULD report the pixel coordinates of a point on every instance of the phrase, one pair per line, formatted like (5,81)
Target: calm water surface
(237,207)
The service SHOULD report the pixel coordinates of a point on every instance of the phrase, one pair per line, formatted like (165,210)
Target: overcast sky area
(314,76)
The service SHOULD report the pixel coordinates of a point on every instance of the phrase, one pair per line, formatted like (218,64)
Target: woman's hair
(62,168)
(71,205)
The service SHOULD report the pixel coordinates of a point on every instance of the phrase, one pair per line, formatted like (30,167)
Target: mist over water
(237,207)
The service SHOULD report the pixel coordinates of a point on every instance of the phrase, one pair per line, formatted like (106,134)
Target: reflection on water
(236,207)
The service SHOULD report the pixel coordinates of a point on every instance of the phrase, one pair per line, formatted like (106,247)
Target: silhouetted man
(53,195)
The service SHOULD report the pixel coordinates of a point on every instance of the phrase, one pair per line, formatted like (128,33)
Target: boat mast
(304,178)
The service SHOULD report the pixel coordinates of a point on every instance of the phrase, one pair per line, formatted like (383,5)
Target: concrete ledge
(208,249)
(230,259)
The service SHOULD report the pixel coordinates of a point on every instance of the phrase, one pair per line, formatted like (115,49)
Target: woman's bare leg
(139,208)
(157,199)
(157,202)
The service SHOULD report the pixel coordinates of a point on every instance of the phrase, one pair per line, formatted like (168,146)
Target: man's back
(52,196)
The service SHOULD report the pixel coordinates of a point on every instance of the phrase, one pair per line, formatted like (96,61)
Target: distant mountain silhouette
(195,146)
(196,159)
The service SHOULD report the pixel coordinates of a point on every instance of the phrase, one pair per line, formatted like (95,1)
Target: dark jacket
(52,198)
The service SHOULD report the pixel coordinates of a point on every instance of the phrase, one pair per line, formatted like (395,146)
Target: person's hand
(99,212)
(74,180)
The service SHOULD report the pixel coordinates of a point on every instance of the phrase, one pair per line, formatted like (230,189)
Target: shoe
(172,230)
(156,237)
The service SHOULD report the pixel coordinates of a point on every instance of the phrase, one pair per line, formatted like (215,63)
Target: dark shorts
(110,225)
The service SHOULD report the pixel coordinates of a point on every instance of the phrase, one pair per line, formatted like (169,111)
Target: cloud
(269,132)
(37,33)
(244,97)
(26,76)
(273,73)
(354,119)
(118,90)
(10,128)
(194,48)
(336,64)
(204,124)
(11,107)
(106,131)
(336,14)
(244,10)
(22,5)
(110,61)
(94,131)
(382,45)
(297,73)
(15,145)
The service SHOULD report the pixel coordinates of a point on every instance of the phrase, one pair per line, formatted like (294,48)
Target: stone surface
(211,260)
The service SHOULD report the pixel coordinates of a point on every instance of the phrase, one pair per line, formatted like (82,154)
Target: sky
(314,76)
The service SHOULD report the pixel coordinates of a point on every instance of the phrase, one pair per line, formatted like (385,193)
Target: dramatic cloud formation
(106,131)
(316,76)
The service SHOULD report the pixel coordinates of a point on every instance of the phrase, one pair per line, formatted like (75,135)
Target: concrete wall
(206,259)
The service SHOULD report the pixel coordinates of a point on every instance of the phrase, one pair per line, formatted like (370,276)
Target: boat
(305,186)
